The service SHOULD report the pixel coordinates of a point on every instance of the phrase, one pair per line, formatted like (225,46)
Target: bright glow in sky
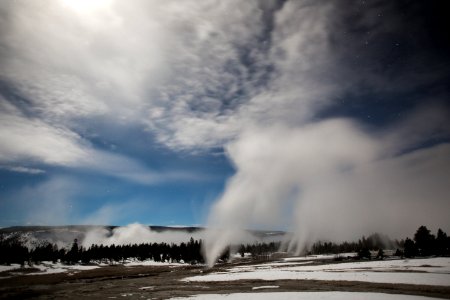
(87,6)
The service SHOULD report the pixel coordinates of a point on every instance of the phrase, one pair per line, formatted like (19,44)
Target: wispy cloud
(21,169)
(113,213)
(25,138)
(209,70)
(30,139)
(51,202)
(194,73)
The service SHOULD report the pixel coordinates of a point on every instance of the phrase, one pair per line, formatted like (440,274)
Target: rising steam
(136,234)
(330,180)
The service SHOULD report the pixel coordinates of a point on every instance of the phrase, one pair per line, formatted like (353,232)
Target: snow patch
(10,267)
(132,263)
(431,271)
(54,268)
(265,287)
(306,296)
(319,257)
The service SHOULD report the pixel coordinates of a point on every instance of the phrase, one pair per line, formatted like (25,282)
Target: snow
(54,268)
(280,264)
(58,268)
(11,267)
(48,267)
(434,265)
(265,287)
(306,296)
(431,271)
(319,257)
(132,263)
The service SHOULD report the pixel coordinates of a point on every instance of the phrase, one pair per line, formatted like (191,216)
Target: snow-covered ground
(264,287)
(306,296)
(131,263)
(431,271)
(319,257)
(48,267)
(10,267)
(53,268)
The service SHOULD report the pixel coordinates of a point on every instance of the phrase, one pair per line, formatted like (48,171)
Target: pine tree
(73,255)
(424,241)
(410,248)
(441,243)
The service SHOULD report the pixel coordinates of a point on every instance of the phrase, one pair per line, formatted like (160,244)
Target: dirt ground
(163,282)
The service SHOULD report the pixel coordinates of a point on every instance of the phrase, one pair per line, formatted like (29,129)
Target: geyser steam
(136,234)
(329,180)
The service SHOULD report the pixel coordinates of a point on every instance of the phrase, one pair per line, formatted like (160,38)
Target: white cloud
(299,85)
(21,169)
(192,72)
(32,140)
(25,138)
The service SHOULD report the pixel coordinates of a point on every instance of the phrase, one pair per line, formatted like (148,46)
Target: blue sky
(255,114)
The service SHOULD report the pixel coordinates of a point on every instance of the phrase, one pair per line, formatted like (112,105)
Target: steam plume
(329,180)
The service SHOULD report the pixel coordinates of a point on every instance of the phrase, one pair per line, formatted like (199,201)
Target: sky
(324,118)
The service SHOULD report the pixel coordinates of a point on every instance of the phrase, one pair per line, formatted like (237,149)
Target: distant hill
(63,236)
(85,228)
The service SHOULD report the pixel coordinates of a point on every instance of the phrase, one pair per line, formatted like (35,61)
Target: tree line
(426,244)
(259,249)
(423,244)
(12,250)
(374,242)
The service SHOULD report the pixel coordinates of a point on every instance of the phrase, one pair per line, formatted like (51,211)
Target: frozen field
(306,296)
(431,271)
(150,280)
(47,267)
